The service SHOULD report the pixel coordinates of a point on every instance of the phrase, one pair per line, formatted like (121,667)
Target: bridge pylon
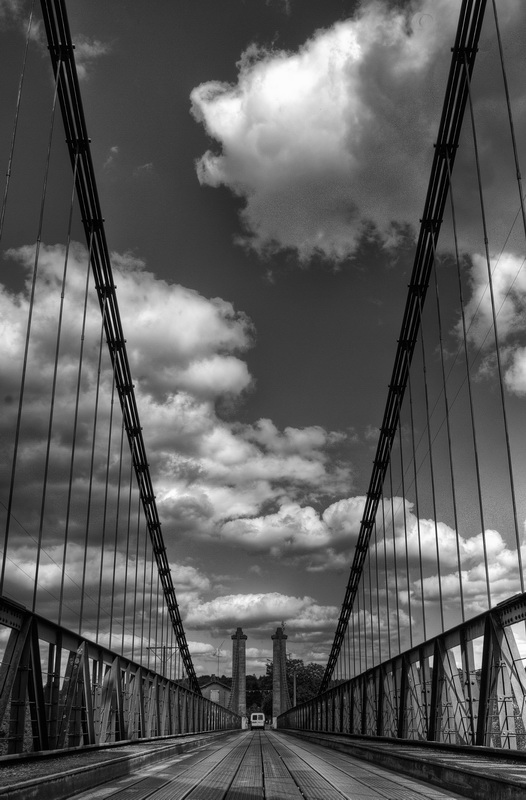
(238,696)
(280,692)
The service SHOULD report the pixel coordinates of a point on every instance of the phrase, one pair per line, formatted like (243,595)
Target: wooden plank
(279,783)
(248,780)
(310,782)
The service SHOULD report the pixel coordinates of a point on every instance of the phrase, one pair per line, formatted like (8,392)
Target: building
(216,691)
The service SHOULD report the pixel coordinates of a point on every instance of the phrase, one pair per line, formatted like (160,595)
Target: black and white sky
(262,167)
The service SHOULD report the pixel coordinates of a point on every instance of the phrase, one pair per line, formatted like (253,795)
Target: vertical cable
(143,614)
(354,648)
(448,429)
(474,436)
(105,507)
(395,558)
(495,328)
(358,625)
(371,616)
(75,427)
(156,636)
(347,645)
(431,461)
(408,586)
(377,579)
(387,606)
(151,609)
(128,535)
(28,329)
(92,464)
(15,124)
(365,636)
(117,523)
(417,503)
(54,385)
(136,581)
(510,117)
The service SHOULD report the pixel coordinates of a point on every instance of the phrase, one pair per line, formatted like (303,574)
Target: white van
(257,721)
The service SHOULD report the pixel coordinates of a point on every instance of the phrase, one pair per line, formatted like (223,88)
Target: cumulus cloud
(203,649)
(320,143)
(258,612)
(333,142)
(184,352)
(509,291)
(106,573)
(176,338)
(300,535)
(437,548)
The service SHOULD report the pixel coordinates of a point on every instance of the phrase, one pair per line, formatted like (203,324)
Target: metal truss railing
(464,687)
(58,691)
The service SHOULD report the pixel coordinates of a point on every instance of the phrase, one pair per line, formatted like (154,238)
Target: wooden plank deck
(264,765)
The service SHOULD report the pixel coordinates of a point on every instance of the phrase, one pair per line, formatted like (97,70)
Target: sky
(262,167)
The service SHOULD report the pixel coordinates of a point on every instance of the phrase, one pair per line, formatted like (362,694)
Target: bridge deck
(245,767)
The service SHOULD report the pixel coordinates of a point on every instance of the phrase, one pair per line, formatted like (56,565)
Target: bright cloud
(176,339)
(302,134)
(184,351)
(300,534)
(508,278)
(333,142)
(257,611)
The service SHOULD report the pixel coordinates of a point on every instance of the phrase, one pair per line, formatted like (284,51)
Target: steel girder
(464,687)
(58,690)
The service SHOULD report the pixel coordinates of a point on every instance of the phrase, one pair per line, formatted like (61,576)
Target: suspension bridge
(426,675)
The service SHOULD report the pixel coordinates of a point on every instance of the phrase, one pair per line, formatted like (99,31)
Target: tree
(308,681)
(254,696)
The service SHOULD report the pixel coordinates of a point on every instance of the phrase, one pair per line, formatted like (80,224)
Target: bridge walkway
(244,766)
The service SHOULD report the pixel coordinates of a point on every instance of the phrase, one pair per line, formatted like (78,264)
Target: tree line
(305,679)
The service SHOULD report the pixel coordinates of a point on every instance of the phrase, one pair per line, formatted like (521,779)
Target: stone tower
(280,693)
(238,697)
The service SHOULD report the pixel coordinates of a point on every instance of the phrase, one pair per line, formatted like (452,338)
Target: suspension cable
(75,426)
(105,507)
(474,436)
(395,559)
(495,327)
(417,502)
(510,116)
(29,325)
(408,586)
(448,429)
(116,537)
(127,555)
(91,468)
(387,605)
(15,124)
(54,384)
